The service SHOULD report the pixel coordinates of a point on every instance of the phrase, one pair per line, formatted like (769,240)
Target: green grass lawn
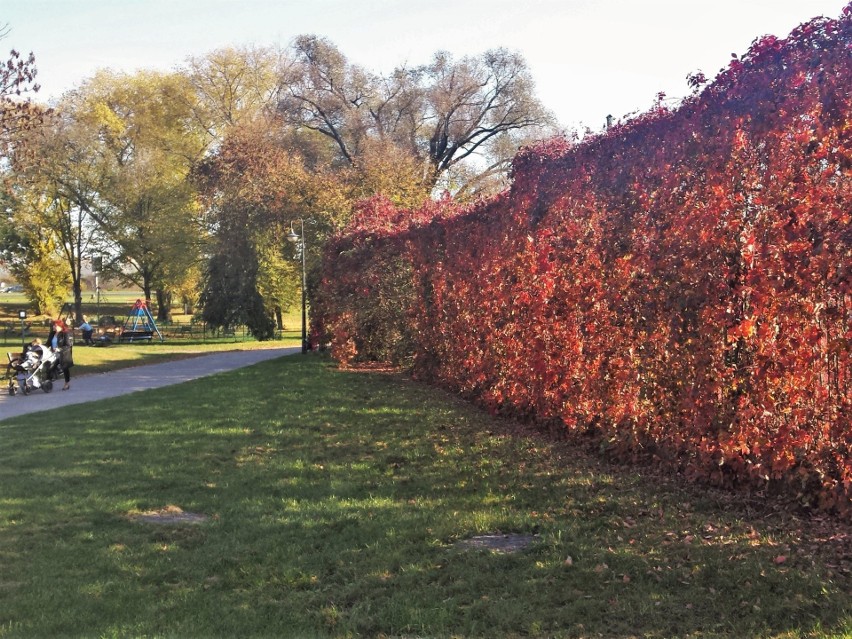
(334,504)
(89,360)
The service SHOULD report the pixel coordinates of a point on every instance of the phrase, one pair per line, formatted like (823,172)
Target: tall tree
(233,86)
(55,196)
(256,188)
(22,246)
(445,114)
(147,141)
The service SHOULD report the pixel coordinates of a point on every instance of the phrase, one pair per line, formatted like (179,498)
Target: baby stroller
(36,367)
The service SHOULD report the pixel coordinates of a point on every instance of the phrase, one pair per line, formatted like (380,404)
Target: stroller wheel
(12,390)
(47,386)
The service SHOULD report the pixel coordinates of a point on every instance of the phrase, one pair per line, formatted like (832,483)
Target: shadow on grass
(335,500)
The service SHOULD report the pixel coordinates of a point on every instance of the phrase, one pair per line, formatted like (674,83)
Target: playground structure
(139,325)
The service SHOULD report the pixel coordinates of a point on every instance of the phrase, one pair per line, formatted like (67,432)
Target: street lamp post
(23,315)
(300,240)
(97,264)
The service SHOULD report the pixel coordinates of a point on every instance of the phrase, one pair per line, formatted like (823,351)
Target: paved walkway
(89,388)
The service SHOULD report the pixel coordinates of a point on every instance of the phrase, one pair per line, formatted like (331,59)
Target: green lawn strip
(91,360)
(334,504)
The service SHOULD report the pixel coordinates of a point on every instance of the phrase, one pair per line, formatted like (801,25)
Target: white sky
(589,58)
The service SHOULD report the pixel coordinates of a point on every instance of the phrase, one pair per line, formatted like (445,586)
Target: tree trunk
(78,301)
(146,288)
(164,306)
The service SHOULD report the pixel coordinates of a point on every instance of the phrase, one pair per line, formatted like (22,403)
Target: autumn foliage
(678,288)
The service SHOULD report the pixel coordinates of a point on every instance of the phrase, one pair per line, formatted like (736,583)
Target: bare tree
(322,92)
(474,101)
(17,84)
(445,113)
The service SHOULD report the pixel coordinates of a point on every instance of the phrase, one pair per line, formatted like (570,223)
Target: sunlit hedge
(678,287)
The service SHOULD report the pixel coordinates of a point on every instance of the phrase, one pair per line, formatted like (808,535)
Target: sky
(589,58)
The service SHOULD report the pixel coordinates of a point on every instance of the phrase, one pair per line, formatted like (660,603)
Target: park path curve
(89,388)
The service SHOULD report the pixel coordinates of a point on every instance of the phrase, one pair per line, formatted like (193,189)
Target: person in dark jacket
(61,341)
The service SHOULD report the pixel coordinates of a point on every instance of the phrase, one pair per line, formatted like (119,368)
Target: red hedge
(679,286)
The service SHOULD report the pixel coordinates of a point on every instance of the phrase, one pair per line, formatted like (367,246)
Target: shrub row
(677,287)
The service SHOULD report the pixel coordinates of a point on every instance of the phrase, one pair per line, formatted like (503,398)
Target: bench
(182,331)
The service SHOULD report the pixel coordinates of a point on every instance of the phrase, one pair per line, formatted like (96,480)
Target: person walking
(61,341)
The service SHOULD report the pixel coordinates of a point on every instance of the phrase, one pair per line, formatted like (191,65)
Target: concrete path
(89,388)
